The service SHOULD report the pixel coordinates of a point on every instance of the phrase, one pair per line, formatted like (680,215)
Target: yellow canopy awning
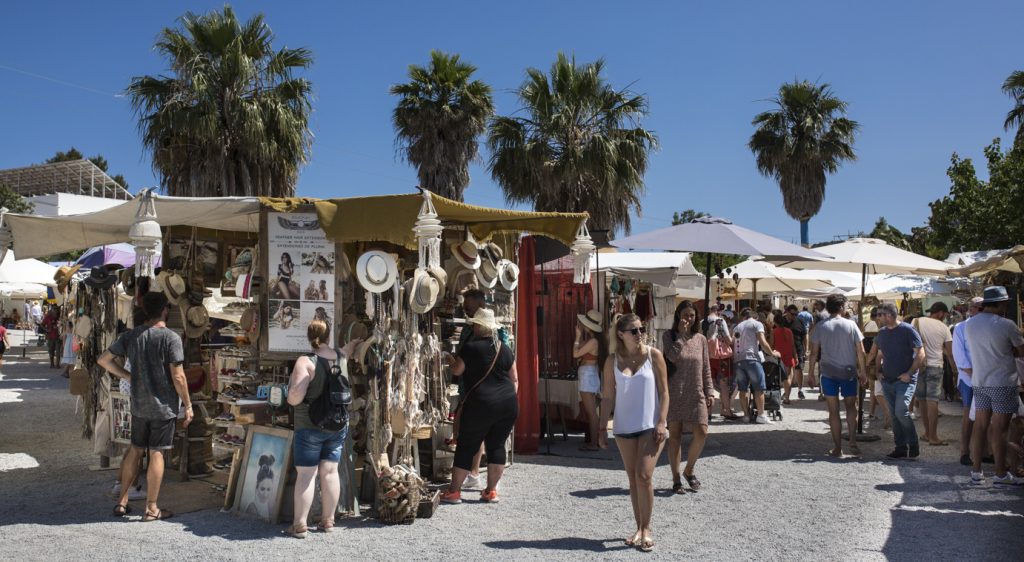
(390,218)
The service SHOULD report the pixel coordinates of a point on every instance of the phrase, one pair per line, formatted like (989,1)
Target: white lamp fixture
(145,235)
(581,250)
(428,231)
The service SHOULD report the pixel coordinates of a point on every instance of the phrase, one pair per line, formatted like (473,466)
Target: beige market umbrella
(757,275)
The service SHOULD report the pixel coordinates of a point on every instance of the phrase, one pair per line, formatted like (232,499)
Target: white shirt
(961,354)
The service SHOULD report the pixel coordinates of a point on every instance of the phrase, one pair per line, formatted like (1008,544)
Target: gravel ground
(769,493)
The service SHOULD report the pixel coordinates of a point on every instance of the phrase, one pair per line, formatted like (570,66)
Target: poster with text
(301,279)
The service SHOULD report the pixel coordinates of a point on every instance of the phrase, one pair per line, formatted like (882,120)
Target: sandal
(691,479)
(158,516)
(632,541)
(122,510)
(296,531)
(646,544)
(786,401)
(677,487)
(326,526)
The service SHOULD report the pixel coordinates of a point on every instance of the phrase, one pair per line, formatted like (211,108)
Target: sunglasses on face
(636,331)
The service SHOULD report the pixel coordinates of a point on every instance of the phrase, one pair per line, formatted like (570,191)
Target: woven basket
(394,515)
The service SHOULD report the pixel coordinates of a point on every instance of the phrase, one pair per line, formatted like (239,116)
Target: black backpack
(329,410)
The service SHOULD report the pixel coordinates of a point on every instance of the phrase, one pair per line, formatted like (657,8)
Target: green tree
(440,115)
(100,162)
(13,200)
(889,234)
(980,215)
(801,141)
(579,146)
(232,118)
(687,216)
(1013,86)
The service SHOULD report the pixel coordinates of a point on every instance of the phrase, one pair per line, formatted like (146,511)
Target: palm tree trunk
(804,234)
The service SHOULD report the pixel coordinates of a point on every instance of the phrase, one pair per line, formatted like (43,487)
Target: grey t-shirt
(748,343)
(990,340)
(838,338)
(151,352)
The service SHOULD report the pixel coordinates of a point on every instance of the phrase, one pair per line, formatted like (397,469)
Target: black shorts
(152,434)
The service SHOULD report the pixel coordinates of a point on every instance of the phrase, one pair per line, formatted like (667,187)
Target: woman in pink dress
(783,342)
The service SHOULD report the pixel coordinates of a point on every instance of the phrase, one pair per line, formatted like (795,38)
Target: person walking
(842,367)
(902,353)
(690,391)
(51,325)
(747,368)
(962,359)
(784,342)
(876,396)
(316,451)
(994,342)
(720,349)
(157,384)
(489,407)
(472,301)
(793,321)
(938,343)
(636,389)
(589,349)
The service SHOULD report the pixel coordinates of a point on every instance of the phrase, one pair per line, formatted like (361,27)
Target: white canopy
(1011,260)
(888,287)
(764,277)
(22,291)
(41,236)
(870,255)
(659,268)
(13,270)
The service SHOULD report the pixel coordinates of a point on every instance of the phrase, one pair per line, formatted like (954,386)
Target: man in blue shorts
(748,371)
(842,367)
(902,354)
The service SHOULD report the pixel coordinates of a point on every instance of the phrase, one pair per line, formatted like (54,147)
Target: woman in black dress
(285,270)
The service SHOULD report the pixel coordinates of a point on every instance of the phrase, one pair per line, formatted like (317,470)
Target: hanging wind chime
(145,235)
(581,250)
(428,231)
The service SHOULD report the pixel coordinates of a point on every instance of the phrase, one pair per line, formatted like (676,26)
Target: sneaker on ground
(490,496)
(977,477)
(800,394)
(451,497)
(763,420)
(1007,480)
(471,482)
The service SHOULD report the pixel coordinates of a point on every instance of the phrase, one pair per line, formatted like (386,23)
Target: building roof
(74,176)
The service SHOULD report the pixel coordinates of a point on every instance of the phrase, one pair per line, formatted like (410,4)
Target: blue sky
(922,78)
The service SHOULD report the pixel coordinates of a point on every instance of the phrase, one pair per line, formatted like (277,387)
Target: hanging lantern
(428,233)
(145,235)
(581,250)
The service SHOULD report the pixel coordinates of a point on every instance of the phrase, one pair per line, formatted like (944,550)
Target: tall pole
(860,324)
(707,283)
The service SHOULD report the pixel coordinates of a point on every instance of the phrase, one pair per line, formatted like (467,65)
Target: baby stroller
(774,374)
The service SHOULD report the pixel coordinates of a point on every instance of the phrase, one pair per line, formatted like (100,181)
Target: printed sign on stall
(301,279)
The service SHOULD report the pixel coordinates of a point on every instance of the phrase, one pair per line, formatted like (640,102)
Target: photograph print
(265,468)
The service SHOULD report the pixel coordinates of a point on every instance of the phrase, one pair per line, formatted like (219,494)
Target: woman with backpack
(317,390)
(691,393)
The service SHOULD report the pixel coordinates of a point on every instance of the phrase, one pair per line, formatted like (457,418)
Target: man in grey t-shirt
(842,367)
(158,382)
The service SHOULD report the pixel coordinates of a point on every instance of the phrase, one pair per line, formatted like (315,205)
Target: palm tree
(578,148)
(231,119)
(440,115)
(801,141)
(1014,87)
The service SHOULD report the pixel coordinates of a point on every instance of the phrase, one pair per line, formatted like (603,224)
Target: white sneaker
(763,420)
(472,482)
(1008,480)
(978,478)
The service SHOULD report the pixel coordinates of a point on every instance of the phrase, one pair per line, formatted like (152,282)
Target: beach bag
(79,381)
(718,348)
(329,411)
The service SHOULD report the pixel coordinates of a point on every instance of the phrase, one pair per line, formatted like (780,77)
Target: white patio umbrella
(1011,260)
(892,286)
(713,235)
(756,275)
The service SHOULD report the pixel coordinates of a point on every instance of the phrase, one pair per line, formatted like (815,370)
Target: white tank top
(636,399)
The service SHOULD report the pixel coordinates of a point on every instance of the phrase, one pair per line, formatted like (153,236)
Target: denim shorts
(832,387)
(315,445)
(634,435)
(749,374)
(966,393)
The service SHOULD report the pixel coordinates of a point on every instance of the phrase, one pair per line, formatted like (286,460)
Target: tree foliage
(13,200)
(440,115)
(578,146)
(99,161)
(687,216)
(232,118)
(889,234)
(806,137)
(1014,87)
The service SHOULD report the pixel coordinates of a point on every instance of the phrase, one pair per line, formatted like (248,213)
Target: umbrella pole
(707,283)
(861,436)
(755,294)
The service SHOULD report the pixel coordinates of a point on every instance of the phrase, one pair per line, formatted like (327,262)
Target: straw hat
(352,329)
(100,278)
(343,266)
(361,351)
(64,274)
(466,254)
(424,291)
(174,287)
(127,278)
(491,255)
(83,327)
(508,274)
(486,280)
(197,320)
(377,271)
(592,320)
(248,319)
(484,317)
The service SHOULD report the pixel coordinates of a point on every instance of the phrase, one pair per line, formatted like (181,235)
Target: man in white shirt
(748,370)
(938,342)
(962,359)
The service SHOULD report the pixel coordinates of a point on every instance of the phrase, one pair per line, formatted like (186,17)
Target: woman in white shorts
(589,349)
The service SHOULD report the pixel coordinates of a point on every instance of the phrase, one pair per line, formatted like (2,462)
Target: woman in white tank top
(636,388)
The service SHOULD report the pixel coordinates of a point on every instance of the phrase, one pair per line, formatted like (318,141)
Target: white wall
(57,204)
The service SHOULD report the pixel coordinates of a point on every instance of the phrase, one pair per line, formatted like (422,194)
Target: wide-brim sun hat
(486,279)
(64,274)
(423,292)
(441,275)
(362,350)
(377,271)
(127,278)
(466,254)
(508,274)
(484,317)
(100,278)
(197,321)
(994,294)
(592,320)
(174,287)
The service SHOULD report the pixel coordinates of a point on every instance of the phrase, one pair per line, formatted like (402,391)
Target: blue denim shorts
(315,445)
(832,387)
(749,374)
(966,394)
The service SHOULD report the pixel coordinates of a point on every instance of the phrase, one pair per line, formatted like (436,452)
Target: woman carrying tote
(590,348)
(691,393)
(636,389)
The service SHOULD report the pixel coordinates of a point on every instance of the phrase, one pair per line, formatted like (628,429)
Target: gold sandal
(296,531)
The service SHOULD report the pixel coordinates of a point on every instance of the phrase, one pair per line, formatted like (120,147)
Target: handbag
(718,347)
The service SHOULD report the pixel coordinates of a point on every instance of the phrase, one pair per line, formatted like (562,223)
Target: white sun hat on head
(484,317)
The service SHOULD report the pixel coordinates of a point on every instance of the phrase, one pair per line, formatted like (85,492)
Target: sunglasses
(636,331)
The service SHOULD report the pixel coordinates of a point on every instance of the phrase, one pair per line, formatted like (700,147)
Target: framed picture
(266,460)
(120,409)
(229,491)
